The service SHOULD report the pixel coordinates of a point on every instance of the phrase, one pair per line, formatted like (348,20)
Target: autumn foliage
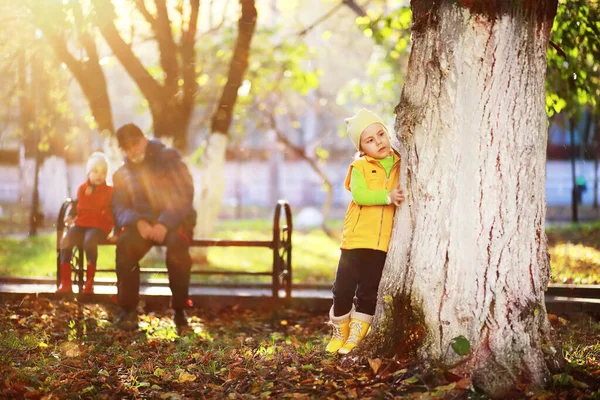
(65,349)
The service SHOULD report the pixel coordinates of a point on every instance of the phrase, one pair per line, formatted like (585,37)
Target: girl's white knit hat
(97,158)
(356,124)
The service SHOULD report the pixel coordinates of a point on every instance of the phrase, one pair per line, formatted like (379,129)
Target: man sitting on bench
(152,204)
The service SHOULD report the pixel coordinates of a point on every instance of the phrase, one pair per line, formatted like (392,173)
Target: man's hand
(396,196)
(145,229)
(159,231)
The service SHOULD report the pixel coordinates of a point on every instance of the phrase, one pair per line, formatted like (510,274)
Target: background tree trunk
(572,156)
(211,186)
(595,146)
(34,129)
(469,254)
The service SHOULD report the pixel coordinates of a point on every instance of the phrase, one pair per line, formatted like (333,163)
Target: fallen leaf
(171,396)
(186,377)
(464,383)
(375,364)
(236,372)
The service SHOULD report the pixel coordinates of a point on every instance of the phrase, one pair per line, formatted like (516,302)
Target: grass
(314,256)
(574,254)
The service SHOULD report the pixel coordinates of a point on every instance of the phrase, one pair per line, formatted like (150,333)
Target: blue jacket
(158,190)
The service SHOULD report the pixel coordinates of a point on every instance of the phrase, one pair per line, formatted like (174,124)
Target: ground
(65,349)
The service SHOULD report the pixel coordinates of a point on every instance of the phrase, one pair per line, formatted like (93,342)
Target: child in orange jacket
(92,224)
(373,181)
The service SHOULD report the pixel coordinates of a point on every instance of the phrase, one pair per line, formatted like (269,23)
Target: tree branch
(85,38)
(105,15)
(320,19)
(141,7)
(215,28)
(558,49)
(354,7)
(167,47)
(239,64)
(51,21)
(313,164)
(188,56)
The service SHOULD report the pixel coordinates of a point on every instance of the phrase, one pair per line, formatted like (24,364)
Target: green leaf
(411,380)
(322,154)
(461,345)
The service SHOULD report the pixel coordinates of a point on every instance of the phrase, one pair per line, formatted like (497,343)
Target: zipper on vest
(357,218)
(382,211)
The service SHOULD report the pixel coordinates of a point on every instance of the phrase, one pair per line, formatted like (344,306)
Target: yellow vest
(370,227)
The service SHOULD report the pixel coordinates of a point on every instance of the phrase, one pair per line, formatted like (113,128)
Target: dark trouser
(131,247)
(81,236)
(358,274)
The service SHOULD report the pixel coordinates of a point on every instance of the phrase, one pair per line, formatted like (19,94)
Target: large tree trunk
(469,253)
(210,189)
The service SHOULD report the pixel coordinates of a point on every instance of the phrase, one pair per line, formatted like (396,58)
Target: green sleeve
(362,195)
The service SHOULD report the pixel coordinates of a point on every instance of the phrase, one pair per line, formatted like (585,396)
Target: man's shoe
(180,318)
(127,320)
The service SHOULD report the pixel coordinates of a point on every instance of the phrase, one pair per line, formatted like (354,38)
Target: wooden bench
(280,244)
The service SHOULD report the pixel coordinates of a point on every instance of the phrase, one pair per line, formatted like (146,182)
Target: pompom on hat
(356,124)
(97,158)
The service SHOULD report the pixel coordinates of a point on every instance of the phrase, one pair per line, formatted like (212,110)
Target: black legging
(81,236)
(358,274)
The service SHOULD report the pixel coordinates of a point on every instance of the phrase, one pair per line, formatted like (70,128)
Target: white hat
(97,158)
(359,122)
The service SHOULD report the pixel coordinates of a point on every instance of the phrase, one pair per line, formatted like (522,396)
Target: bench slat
(195,272)
(219,243)
(232,243)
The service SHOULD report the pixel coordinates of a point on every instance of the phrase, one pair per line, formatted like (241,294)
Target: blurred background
(72,72)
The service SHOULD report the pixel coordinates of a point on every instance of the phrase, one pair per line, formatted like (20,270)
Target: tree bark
(210,189)
(468,255)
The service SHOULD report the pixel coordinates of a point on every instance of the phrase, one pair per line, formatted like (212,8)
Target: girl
(93,223)
(373,180)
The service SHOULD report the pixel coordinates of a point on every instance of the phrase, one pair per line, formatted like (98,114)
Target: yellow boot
(341,330)
(359,326)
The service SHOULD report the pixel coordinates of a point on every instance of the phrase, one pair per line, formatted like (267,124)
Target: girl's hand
(396,196)
(69,221)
